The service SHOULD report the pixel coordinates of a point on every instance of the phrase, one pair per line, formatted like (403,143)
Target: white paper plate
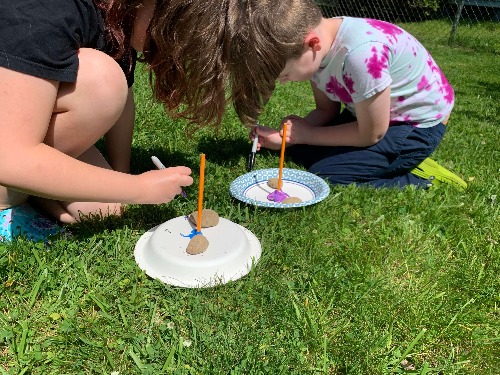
(252,187)
(231,253)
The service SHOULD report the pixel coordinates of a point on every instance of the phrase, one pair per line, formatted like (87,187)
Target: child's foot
(25,221)
(438,174)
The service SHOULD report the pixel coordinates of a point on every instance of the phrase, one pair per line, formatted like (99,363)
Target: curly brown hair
(274,33)
(118,21)
(206,53)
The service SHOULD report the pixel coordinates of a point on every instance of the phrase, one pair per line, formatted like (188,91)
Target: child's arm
(119,137)
(371,125)
(325,111)
(29,165)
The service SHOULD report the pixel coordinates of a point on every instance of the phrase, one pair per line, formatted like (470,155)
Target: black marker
(251,157)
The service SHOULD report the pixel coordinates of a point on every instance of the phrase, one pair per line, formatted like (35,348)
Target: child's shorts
(25,221)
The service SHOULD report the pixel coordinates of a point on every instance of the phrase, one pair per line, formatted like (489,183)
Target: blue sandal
(25,221)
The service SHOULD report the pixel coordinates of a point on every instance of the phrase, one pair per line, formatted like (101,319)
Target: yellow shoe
(438,174)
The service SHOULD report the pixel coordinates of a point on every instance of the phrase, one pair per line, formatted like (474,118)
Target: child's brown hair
(198,49)
(274,33)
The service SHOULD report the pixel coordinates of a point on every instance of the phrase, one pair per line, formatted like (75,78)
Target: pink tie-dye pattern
(375,64)
(399,120)
(423,84)
(445,86)
(349,83)
(412,123)
(431,64)
(390,30)
(334,87)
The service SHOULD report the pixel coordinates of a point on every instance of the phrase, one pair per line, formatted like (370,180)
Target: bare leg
(71,212)
(10,198)
(84,111)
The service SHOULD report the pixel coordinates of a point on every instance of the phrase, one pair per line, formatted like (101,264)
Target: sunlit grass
(365,282)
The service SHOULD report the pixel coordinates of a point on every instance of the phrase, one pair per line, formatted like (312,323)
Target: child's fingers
(253,132)
(290,117)
(264,131)
(288,128)
(182,175)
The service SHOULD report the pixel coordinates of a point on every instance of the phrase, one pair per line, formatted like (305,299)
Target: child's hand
(296,128)
(268,137)
(161,186)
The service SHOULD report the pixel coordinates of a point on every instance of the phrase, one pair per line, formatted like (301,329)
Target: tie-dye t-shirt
(368,55)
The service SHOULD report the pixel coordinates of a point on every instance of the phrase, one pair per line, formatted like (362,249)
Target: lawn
(365,282)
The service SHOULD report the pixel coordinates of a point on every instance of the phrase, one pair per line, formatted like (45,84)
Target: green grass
(353,285)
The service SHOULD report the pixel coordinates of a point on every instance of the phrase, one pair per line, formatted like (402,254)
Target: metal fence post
(460,6)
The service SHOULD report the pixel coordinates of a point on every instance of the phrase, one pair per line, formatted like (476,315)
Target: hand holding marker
(160,165)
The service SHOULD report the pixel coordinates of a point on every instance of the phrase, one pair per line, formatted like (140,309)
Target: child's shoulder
(355,31)
(44,41)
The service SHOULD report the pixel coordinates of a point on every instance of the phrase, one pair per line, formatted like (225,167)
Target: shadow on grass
(141,218)
(138,218)
(141,159)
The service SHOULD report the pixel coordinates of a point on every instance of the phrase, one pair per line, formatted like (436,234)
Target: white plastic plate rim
(255,253)
(310,181)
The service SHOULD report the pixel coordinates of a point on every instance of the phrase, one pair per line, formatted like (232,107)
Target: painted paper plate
(232,252)
(252,187)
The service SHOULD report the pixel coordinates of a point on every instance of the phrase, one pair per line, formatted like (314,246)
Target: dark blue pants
(385,164)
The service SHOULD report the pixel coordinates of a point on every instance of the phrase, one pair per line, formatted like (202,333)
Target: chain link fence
(459,13)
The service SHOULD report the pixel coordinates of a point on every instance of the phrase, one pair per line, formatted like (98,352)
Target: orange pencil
(200,191)
(282,157)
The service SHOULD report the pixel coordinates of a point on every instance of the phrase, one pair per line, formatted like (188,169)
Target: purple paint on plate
(277,196)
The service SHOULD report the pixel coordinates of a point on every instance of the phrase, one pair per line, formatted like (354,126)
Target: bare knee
(85,110)
(100,87)
(104,81)
(70,213)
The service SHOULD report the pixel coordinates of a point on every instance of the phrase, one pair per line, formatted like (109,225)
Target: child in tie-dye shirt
(369,56)
(395,100)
